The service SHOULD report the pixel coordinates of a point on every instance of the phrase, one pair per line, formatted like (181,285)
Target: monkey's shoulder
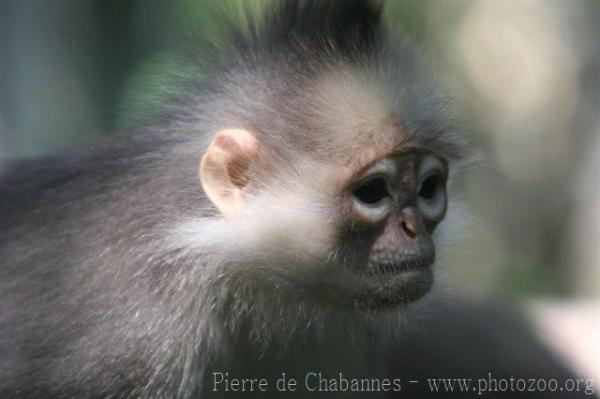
(74,173)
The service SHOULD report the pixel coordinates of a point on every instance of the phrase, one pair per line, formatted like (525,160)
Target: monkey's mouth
(401,264)
(395,282)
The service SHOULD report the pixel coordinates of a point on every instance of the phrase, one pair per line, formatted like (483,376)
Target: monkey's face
(392,207)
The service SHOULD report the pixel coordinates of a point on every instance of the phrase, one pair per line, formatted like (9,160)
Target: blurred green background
(525,77)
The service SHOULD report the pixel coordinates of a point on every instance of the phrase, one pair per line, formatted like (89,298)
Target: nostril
(408,229)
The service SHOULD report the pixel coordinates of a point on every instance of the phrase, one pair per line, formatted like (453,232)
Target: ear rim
(223,167)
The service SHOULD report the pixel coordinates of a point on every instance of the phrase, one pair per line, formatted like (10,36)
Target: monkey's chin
(385,291)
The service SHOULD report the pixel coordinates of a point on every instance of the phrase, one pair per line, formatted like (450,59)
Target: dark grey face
(395,204)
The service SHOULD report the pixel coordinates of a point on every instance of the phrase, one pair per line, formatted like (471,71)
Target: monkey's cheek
(395,290)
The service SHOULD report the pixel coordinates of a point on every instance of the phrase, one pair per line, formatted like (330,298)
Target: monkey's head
(329,160)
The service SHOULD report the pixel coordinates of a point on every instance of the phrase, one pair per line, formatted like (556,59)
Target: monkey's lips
(401,264)
(392,284)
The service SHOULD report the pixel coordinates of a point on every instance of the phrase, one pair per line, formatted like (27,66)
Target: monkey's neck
(314,351)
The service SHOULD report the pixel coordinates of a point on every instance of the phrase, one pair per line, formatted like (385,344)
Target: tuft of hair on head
(330,27)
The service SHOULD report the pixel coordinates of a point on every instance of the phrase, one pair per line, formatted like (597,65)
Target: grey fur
(118,277)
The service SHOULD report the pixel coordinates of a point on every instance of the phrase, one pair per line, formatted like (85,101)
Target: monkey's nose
(410,222)
(409,229)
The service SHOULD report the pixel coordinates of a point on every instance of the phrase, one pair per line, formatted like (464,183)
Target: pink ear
(224,169)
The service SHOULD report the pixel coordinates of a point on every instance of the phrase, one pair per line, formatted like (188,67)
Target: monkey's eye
(372,191)
(372,200)
(430,186)
(371,195)
(431,193)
